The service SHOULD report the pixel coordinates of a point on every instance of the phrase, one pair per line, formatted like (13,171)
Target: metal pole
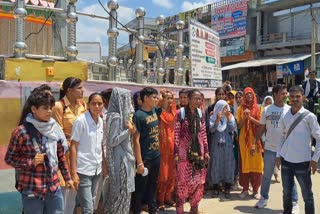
(20,13)
(167,70)
(313,41)
(184,73)
(113,34)
(140,13)
(72,19)
(160,63)
(129,70)
(148,70)
(59,29)
(179,50)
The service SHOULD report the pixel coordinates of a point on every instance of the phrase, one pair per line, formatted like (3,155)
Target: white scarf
(53,132)
(219,106)
(265,99)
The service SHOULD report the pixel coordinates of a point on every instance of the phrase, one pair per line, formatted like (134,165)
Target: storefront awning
(277,60)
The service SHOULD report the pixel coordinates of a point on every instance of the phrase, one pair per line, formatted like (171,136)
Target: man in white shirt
(294,153)
(270,124)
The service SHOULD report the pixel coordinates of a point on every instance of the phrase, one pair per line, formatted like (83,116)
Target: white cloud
(95,30)
(188,5)
(163,3)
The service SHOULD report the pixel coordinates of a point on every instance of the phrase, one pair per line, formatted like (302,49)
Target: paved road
(10,200)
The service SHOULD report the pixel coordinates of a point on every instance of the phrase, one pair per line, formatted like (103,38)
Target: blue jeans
(269,160)
(303,175)
(146,185)
(87,192)
(52,204)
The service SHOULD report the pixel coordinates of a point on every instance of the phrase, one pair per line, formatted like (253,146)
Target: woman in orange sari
(166,142)
(251,162)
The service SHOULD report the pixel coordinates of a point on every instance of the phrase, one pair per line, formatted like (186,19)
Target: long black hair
(70,82)
(194,153)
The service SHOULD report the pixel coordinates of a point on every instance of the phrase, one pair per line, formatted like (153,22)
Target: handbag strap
(296,122)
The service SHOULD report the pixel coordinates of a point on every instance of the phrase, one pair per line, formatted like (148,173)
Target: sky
(95,30)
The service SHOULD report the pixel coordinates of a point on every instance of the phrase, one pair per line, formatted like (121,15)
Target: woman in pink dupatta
(191,153)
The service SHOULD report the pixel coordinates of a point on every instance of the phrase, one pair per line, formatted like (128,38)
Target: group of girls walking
(70,155)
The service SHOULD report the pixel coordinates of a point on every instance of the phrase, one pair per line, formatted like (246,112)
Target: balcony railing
(283,37)
(268,1)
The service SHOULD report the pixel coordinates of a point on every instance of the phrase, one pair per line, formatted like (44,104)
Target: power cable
(44,23)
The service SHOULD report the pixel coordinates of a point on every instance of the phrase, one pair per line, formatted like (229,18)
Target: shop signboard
(279,70)
(293,68)
(232,47)
(288,69)
(230,20)
(204,54)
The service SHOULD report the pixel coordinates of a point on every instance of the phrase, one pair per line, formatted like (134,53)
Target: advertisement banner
(292,68)
(230,20)
(204,53)
(232,47)
(279,69)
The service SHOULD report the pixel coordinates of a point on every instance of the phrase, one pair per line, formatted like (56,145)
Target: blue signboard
(293,68)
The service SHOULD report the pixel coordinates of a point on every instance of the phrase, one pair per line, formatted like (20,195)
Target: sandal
(170,203)
(161,207)
(256,195)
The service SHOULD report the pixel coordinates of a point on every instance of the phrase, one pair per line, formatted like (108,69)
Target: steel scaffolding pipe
(72,19)
(112,39)
(179,50)
(184,58)
(140,13)
(160,62)
(20,13)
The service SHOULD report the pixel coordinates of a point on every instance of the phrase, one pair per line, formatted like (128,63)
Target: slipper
(161,207)
(170,203)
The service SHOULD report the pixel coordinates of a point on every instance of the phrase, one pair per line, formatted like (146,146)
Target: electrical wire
(44,23)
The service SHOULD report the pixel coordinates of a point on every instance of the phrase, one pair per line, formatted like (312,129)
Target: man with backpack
(298,125)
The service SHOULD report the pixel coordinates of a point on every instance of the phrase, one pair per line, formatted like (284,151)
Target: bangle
(140,164)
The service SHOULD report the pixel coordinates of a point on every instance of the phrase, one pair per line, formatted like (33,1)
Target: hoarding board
(230,20)
(232,47)
(288,69)
(204,54)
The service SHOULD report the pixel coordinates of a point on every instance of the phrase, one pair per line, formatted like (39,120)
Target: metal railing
(282,37)
(268,1)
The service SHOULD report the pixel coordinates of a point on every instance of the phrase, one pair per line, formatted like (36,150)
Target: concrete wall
(294,24)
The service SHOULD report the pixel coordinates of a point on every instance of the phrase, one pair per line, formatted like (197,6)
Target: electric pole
(313,40)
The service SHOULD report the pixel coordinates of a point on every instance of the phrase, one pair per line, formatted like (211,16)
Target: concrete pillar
(258,33)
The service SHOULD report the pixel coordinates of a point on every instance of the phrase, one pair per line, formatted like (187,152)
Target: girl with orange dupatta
(251,162)
(166,139)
